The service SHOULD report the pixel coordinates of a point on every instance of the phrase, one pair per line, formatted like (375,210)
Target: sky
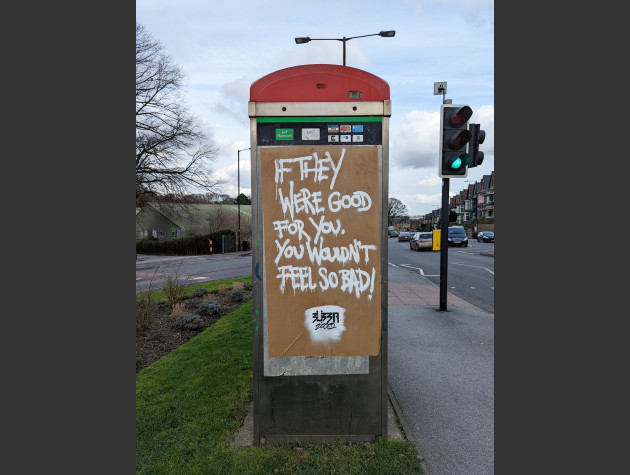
(223,47)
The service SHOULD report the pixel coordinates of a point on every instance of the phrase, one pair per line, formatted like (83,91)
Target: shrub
(184,245)
(222,289)
(247,285)
(210,308)
(237,285)
(236,295)
(198,293)
(145,307)
(178,310)
(188,321)
(174,289)
(145,310)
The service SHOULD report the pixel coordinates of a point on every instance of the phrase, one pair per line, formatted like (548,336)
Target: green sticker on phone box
(284,134)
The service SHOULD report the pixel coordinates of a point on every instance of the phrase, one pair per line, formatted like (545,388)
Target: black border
(70,380)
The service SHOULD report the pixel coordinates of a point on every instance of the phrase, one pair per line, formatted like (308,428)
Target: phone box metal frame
(337,397)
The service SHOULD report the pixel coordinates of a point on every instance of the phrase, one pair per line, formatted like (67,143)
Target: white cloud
(416,144)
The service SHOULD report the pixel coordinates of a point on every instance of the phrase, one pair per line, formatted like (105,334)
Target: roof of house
(190,216)
(486,182)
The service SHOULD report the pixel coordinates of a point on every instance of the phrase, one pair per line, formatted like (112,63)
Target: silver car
(421,241)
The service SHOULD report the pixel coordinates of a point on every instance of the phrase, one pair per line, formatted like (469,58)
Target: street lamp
(306,39)
(238,196)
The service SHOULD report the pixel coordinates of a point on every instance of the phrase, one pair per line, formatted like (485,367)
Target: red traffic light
(460,116)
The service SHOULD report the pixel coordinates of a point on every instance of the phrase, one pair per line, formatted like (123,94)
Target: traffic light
(477,138)
(454,135)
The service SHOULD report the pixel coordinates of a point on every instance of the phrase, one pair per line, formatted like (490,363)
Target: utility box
(437,239)
(319,165)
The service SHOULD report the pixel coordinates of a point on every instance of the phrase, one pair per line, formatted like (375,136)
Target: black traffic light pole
(444,238)
(444,244)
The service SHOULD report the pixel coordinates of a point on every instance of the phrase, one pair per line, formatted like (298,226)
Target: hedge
(184,246)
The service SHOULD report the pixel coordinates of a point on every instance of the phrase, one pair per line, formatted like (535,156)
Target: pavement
(440,374)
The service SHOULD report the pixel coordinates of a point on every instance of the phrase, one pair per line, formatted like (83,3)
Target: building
(474,205)
(172,220)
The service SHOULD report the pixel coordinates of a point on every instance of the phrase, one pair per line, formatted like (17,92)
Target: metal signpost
(319,141)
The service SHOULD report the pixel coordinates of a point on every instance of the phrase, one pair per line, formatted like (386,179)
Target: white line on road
(411,267)
(467,265)
(407,266)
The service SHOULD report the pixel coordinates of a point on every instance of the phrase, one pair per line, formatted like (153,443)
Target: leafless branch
(172,151)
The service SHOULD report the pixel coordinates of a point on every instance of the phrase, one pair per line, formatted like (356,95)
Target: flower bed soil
(162,338)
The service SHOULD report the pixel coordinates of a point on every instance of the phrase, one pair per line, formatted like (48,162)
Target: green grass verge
(190,405)
(158,296)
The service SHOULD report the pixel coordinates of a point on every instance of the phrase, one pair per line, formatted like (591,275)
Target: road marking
(411,267)
(478,267)
(407,266)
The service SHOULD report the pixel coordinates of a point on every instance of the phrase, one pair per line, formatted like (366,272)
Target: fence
(228,243)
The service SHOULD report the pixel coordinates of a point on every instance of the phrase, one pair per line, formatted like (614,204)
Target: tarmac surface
(441,371)
(440,374)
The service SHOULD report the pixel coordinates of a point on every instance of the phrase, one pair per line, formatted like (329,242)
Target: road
(190,269)
(470,274)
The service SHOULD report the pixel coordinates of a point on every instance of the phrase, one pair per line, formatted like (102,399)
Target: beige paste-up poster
(322,250)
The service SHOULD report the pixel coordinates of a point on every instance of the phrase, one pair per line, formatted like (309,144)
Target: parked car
(421,241)
(485,236)
(457,236)
(404,236)
(393,233)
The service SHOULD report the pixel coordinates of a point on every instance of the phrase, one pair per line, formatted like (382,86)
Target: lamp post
(306,39)
(238,196)
(433,214)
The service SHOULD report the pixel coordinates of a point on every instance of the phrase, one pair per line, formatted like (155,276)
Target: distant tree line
(198,198)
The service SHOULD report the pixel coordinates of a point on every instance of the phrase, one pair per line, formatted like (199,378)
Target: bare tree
(395,209)
(172,152)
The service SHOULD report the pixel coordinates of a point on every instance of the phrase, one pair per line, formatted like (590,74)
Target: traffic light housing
(454,136)
(476,139)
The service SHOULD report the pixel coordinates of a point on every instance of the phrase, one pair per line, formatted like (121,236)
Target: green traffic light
(462,160)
